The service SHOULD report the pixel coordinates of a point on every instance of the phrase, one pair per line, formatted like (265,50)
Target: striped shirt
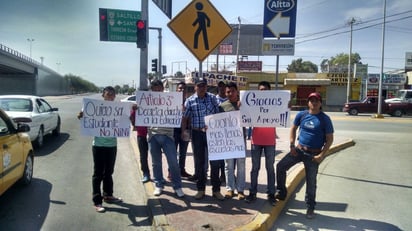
(197,108)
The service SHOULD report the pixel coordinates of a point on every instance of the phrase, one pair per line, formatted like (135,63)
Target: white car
(45,118)
(130,98)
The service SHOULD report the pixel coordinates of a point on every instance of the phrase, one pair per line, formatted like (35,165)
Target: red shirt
(264,136)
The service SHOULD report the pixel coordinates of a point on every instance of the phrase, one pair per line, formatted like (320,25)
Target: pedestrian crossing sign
(200,27)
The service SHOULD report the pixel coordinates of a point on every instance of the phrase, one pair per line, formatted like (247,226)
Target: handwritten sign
(265,108)
(159,109)
(105,118)
(225,136)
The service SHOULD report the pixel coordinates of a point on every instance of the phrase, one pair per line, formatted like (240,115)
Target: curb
(267,216)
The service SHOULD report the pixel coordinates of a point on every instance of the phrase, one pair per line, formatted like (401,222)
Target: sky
(66,35)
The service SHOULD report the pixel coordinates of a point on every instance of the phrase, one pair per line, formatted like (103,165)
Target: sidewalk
(172,213)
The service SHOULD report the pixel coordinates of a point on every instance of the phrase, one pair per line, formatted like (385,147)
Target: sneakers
(199,195)
(229,194)
(112,199)
(280,197)
(145,178)
(179,193)
(310,213)
(272,199)
(183,173)
(99,208)
(192,178)
(240,196)
(250,198)
(218,196)
(157,191)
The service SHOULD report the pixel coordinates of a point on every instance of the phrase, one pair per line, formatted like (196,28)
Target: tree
(340,61)
(300,66)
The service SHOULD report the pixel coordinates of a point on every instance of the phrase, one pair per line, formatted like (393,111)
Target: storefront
(391,83)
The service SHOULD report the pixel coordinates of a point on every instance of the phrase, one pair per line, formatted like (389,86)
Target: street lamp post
(237,46)
(351,22)
(30,40)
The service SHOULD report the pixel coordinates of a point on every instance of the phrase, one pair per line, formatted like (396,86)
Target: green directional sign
(118,25)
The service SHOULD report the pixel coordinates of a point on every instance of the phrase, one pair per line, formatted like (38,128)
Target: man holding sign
(197,106)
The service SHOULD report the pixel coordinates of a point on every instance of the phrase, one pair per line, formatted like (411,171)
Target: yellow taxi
(16,152)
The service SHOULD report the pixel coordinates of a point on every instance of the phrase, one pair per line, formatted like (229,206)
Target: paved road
(365,187)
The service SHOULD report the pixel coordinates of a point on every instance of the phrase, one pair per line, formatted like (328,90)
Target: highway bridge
(20,74)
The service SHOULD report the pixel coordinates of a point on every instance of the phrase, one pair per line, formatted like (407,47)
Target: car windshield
(16,104)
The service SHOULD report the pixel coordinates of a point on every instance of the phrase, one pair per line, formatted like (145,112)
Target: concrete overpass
(20,74)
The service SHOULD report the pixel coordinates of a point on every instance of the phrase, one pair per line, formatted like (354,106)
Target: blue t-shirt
(313,128)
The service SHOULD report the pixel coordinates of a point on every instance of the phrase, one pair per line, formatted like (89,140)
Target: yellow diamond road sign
(200,27)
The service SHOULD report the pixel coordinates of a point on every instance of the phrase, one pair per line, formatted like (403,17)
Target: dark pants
(181,147)
(143,150)
(311,171)
(104,159)
(199,153)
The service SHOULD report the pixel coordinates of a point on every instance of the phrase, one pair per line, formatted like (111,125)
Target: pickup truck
(399,109)
(367,105)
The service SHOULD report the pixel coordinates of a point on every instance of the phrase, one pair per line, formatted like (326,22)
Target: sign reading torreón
(118,25)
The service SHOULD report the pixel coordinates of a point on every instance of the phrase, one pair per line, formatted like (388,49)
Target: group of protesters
(309,146)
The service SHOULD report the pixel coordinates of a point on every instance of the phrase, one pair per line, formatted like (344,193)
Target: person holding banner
(181,144)
(104,157)
(142,145)
(197,106)
(263,140)
(314,140)
(161,140)
(233,182)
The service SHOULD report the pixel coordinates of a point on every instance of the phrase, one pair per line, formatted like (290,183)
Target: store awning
(323,82)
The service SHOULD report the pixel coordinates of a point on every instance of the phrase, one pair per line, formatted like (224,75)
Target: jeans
(182,146)
(269,151)
(200,153)
(233,182)
(143,150)
(157,144)
(104,159)
(311,170)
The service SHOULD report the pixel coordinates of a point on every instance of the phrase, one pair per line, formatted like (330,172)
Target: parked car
(399,109)
(16,152)
(403,96)
(368,105)
(130,98)
(44,118)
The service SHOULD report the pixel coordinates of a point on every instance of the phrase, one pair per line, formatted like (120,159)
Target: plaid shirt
(197,108)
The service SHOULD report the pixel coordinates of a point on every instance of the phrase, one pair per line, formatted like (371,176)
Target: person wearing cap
(313,142)
(197,106)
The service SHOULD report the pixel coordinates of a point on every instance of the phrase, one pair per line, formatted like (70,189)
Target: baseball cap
(200,81)
(316,95)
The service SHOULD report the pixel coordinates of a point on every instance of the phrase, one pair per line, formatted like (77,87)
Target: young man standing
(161,140)
(314,140)
(234,183)
(263,140)
(197,106)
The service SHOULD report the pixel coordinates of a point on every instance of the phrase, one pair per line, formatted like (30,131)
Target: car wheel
(397,113)
(56,131)
(28,170)
(353,111)
(40,138)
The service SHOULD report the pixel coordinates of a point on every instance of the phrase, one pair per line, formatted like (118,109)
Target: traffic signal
(141,34)
(154,65)
(103,24)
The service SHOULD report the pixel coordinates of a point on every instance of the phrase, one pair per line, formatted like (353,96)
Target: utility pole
(143,84)
(237,46)
(379,115)
(348,92)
